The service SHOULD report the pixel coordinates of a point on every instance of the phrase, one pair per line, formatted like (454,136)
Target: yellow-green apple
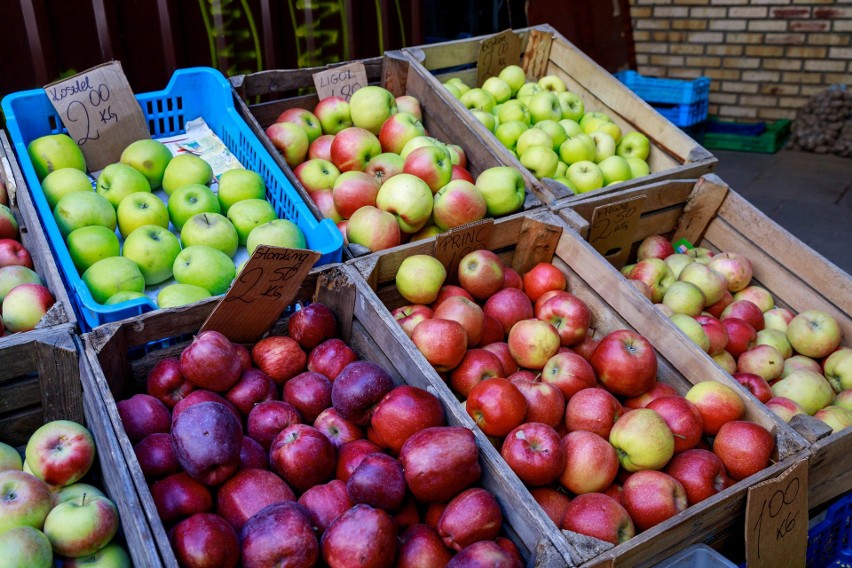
(110,556)
(638,168)
(9,458)
(247,214)
(481,273)
(384,166)
(478,99)
(60,182)
(844,399)
(656,246)
(736,269)
(838,369)
(693,330)
(677,262)
(191,200)
(54,152)
(634,145)
(304,119)
(540,160)
(154,250)
(716,333)
(81,209)
(333,114)
(24,500)
(60,452)
(561,171)
(590,120)
(571,126)
(755,384)
(120,297)
(584,176)
(533,137)
(609,128)
(321,147)
(419,278)
(684,298)
(373,228)
(513,110)
(651,497)
(599,516)
(398,130)
(503,189)
(811,390)
(14,275)
(642,440)
(777,339)
(432,164)
(117,181)
(682,418)
(701,473)
(353,148)
(625,363)
(427,232)
(88,245)
(508,306)
(442,342)
(741,336)
(744,447)
(533,342)
(487,119)
(370,107)
(701,254)
(353,190)
(81,526)
(835,416)
(778,319)
(409,104)
(150,158)
(276,233)
(514,77)
(604,145)
(591,410)
(615,169)
(141,209)
(206,267)
(408,198)
(814,333)
(409,316)
(797,362)
(784,407)
(457,203)
(726,361)
(238,184)
(509,132)
(419,142)
(289,139)
(112,275)
(186,169)
(591,463)
(572,106)
(497,407)
(25,306)
(534,451)
(718,403)
(211,229)
(656,274)
(453,89)
(324,200)
(26,547)
(544,105)
(553,84)
(499,88)
(708,280)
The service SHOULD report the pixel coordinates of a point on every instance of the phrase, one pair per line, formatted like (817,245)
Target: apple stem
(681,436)
(83,500)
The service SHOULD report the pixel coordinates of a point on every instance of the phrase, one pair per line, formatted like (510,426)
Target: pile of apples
(792,363)
(370,166)
(545,125)
(45,509)
(297,452)
(123,237)
(605,449)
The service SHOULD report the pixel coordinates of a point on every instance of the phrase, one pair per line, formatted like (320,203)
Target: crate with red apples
(766,307)
(589,413)
(309,443)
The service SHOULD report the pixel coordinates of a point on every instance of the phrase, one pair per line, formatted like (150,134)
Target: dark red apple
(167,384)
(205,540)
(716,333)
(249,491)
(741,336)
(211,362)
(484,553)
(142,415)
(312,325)
(756,385)
(497,406)
(594,410)
(492,331)
(337,429)
(252,455)
(408,514)
(279,535)
(682,418)
(534,452)
(422,547)
(179,496)
(428,455)
(625,363)
(403,412)
(309,393)
(471,516)
(13,253)
(350,455)
(268,418)
(552,501)
(508,306)
(716,309)
(378,481)
(358,388)
(303,456)
(254,387)
(433,514)
(244,355)
(325,503)
(568,372)
(207,440)
(330,357)
(156,456)
(476,366)
(279,357)
(199,396)
(501,349)
(362,533)
(701,473)
(545,402)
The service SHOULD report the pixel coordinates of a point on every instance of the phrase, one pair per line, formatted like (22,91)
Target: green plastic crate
(769,142)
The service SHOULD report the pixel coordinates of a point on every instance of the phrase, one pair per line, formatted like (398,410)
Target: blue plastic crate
(666,91)
(191,93)
(830,541)
(684,115)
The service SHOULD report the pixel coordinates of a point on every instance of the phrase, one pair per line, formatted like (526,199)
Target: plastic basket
(696,556)
(769,141)
(830,541)
(667,91)
(684,115)
(191,93)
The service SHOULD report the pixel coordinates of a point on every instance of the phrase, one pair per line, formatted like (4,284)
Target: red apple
(625,363)
(442,342)
(253,387)
(279,357)
(211,362)
(378,481)
(586,347)
(249,491)
(651,497)
(552,501)
(592,410)
(655,246)
(657,390)
(534,452)
(325,503)
(476,366)
(717,403)
(484,553)
(324,200)
(320,149)
(461,173)
(166,383)
(744,447)
(330,357)
(309,393)
(501,349)
(741,336)
(60,452)
(13,253)
(492,332)
(511,279)
(429,454)
(409,316)
(509,306)
(25,500)
(207,440)
(481,273)
(716,332)
(358,389)
(289,139)
(716,309)
(179,496)
(746,311)
(312,325)
(545,402)
(497,406)
(350,455)
(362,533)
(353,147)
(430,163)
(599,516)
(533,342)
(448,291)
(199,396)
(422,547)
(156,456)
(279,535)
(471,516)
(303,456)
(465,312)
(682,418)
(205,540)
(268,418)
(542,278)
(141,415)
(756,385)
(568,372)
(337,429)
(701,473)
(403,412)
(398,130)
(590,463)
(354,190)
(569,315)
(252,455)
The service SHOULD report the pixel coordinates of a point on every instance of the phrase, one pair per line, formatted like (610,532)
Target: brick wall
(765,57)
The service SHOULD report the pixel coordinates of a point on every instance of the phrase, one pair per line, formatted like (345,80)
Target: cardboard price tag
(612,228)
(450,247)
(265,287)
(777,520)
(340,81)
(100,112)
(497,52)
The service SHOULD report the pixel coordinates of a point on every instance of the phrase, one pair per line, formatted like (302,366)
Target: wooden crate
(42,379)
(33,238)
(674,155)
(444,121)
(524,240)
(118,376)
(709,214)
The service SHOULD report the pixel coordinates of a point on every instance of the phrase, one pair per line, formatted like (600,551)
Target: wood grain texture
(701,207)
(537,54)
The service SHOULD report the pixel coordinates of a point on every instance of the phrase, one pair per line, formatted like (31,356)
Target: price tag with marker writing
(265,287)
(450,247)
(100,112)
(340,81)
(613,226)
(496,53)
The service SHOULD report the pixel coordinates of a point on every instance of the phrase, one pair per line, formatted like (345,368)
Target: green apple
(248,214)
(175,295)
(572,105)
(112,275)
(486,118)
(561,170)
(634,145)
(191,200)
(479,99)
(610,128)
(513,110)
(110,556)
(577,148)
(25,547)
(186,169)
(409,199)
(420,277)
(604,145)
(81,526)
(150,158)
(87,245)
(541,161)
(125,296)
(503,189)
(211,229)
(572,127)
(141,209)
(9,458)
(499,88)
(555,131)
(527,90)
(204,266)
(276,233)
(238,184)
(593,117)
(638,167)
(544,106)
(81,209)
(460,85)
(75,490)
(585,176)
(370,107)
(453,90)
(117,181)
(67,180)
(533,137)
(54,152)
(514,76)
(615,169)
(154,250)
(552,83)
(509,132)
(566,182)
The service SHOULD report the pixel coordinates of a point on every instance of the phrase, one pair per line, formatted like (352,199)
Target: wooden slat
(537,54)
(19,394)
(830,468)
(57,367)
(701,207)
(17,429)
(536,242)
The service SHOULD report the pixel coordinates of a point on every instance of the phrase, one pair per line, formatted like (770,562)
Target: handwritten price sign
(100,112)
(613,225)
(497,52)
(340,81)
(450,247)
(265,287)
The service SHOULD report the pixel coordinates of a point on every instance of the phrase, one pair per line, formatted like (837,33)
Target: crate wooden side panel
(614,305)
(34,239)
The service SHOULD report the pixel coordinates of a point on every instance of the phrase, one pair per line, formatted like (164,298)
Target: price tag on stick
(776,531)
(100,112)
(265,287)
(497,52)
(340,81)
(450,247)
(613,227)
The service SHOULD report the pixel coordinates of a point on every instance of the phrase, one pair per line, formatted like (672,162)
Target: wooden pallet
(116,376)
(33,238)
(443,121)
(674,155)
(524,240)
(709,214)
(41,380)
